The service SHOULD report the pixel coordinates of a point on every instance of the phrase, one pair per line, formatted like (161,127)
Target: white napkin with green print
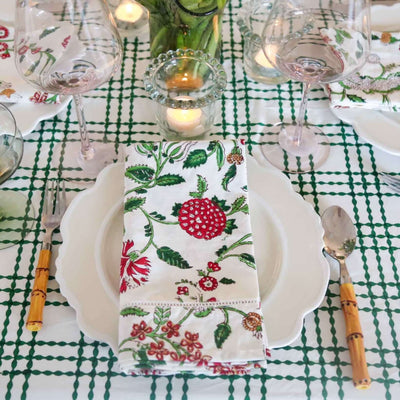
(377,85)
(189,296)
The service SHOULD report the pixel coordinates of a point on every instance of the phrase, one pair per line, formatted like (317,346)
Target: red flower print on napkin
(191,341)
(208,283)
(213,266)
(202,218)
(158,350)
(170,329)
(4,32)
(134,270)
(141,330)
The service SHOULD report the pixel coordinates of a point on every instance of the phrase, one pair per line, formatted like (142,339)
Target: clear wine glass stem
(302,113)
(87,149)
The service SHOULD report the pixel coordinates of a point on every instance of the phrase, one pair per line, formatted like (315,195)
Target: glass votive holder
(184,86)
(251,21)
(130,17)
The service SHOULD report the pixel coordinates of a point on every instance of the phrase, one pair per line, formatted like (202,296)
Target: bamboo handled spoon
(340,240)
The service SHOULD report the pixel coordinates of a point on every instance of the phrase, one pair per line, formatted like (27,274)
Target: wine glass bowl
(69,47)
(81,78)
(314,42)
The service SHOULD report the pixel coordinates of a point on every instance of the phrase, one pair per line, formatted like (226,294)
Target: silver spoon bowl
(340,237)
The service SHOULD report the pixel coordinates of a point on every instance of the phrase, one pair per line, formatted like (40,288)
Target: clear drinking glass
(314,42)
(251,21)
(69,47)
(13,205)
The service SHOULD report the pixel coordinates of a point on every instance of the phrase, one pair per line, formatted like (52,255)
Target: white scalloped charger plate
(379,128)
(293,273)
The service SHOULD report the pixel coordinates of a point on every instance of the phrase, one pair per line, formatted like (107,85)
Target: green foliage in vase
(185,24)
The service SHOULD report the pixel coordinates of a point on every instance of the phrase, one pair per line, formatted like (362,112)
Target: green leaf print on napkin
(355,98)
(133,203)
(221,334)
(140,173)
(195,159)
(133,311)
(161,315)
(172,257)
(169,180)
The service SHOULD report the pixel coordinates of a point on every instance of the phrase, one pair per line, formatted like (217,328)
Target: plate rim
(297,324)
(106,284)
(351,116)
(65,289)
(322,265)
(27,125)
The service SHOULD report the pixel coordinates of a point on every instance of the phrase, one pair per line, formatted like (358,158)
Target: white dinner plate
(379,128)
(288,240)
(28,115)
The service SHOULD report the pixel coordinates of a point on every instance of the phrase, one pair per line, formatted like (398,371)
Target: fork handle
(38,296)
(354,336)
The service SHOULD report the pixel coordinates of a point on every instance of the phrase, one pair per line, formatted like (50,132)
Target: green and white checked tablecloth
(59,362)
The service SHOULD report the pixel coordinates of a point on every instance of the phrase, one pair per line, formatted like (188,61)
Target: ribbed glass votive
(184,86)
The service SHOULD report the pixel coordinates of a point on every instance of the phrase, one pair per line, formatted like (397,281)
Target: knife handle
(354,336)
(38,296)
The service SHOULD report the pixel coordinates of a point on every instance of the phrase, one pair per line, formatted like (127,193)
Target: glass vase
(185,24)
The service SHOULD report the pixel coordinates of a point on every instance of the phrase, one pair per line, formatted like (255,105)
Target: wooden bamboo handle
(38,296)
(354,336)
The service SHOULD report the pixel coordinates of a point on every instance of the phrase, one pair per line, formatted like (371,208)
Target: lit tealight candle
(262,60)
(128,11)
(184,120)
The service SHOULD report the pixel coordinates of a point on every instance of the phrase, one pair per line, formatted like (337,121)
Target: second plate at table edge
(351,116)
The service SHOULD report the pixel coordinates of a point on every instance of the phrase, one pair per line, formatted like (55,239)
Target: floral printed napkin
(347,46)
(377,84)
(189,297)
(47,46)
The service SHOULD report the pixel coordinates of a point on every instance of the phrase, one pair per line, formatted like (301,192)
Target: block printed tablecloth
(60,362)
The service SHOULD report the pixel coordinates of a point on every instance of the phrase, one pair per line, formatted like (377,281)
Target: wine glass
(314,42)
(69,47)
(13,205)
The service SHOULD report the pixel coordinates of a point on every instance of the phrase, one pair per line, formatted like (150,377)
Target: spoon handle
(354,336)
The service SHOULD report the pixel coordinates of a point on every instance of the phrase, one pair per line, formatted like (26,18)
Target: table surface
(61,362)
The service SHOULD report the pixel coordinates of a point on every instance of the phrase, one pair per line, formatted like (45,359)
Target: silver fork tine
(46,199)
(63,197)
(388,178)
(57,208)
(51,199)
(391,181)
